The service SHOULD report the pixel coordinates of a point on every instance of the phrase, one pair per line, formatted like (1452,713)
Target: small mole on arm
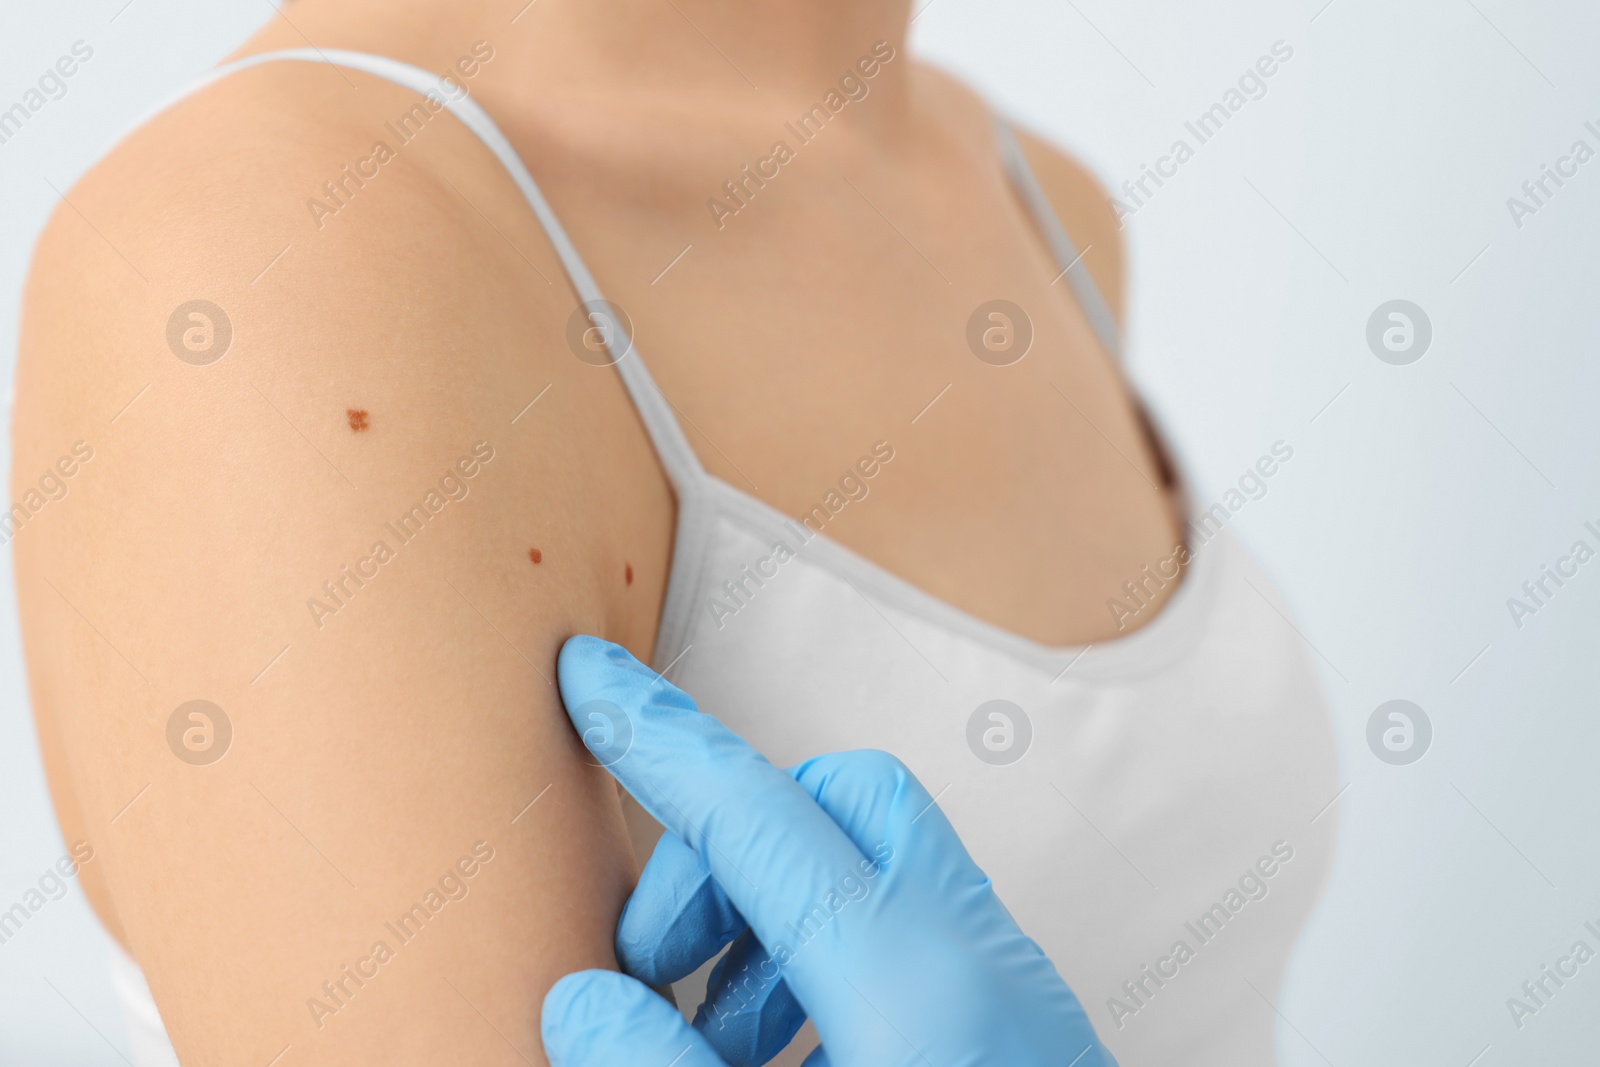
(627,573)
(358,419)
(535,555)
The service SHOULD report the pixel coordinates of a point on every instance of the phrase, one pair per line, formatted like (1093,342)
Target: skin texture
(375,745)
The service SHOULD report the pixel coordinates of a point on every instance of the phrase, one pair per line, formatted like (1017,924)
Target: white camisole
(1154,810)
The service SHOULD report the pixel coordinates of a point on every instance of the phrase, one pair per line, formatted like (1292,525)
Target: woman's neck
(780,48)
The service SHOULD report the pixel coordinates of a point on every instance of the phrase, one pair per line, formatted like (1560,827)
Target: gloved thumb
(602,1018)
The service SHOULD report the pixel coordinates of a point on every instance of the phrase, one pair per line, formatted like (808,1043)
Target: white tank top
(1155,810)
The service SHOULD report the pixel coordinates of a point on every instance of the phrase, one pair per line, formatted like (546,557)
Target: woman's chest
(1116,795)
(916,312)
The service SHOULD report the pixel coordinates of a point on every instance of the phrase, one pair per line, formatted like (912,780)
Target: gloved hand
(846,894)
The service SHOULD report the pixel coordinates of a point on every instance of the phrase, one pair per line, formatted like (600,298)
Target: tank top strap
(677,456)
(1061,246)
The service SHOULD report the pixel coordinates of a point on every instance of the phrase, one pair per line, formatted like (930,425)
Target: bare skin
(417,719)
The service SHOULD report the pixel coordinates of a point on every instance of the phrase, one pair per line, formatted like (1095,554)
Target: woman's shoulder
(275,181)
(203,200)
(313,239)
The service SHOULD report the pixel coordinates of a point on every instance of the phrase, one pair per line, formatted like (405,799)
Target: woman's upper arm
(285,609)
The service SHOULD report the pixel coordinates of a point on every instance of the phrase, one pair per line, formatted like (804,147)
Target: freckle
(357,417)
(535,555)
(627,573)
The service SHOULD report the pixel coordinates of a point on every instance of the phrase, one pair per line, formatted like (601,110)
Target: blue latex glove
(844,891)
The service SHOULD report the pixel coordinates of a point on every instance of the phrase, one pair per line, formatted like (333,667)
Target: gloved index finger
(768,844)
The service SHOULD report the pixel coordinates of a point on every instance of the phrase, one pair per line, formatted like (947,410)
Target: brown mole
(627,573)
(535,555)
(357,417)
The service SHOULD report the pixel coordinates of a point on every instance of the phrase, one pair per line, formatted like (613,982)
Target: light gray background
(1419,498)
